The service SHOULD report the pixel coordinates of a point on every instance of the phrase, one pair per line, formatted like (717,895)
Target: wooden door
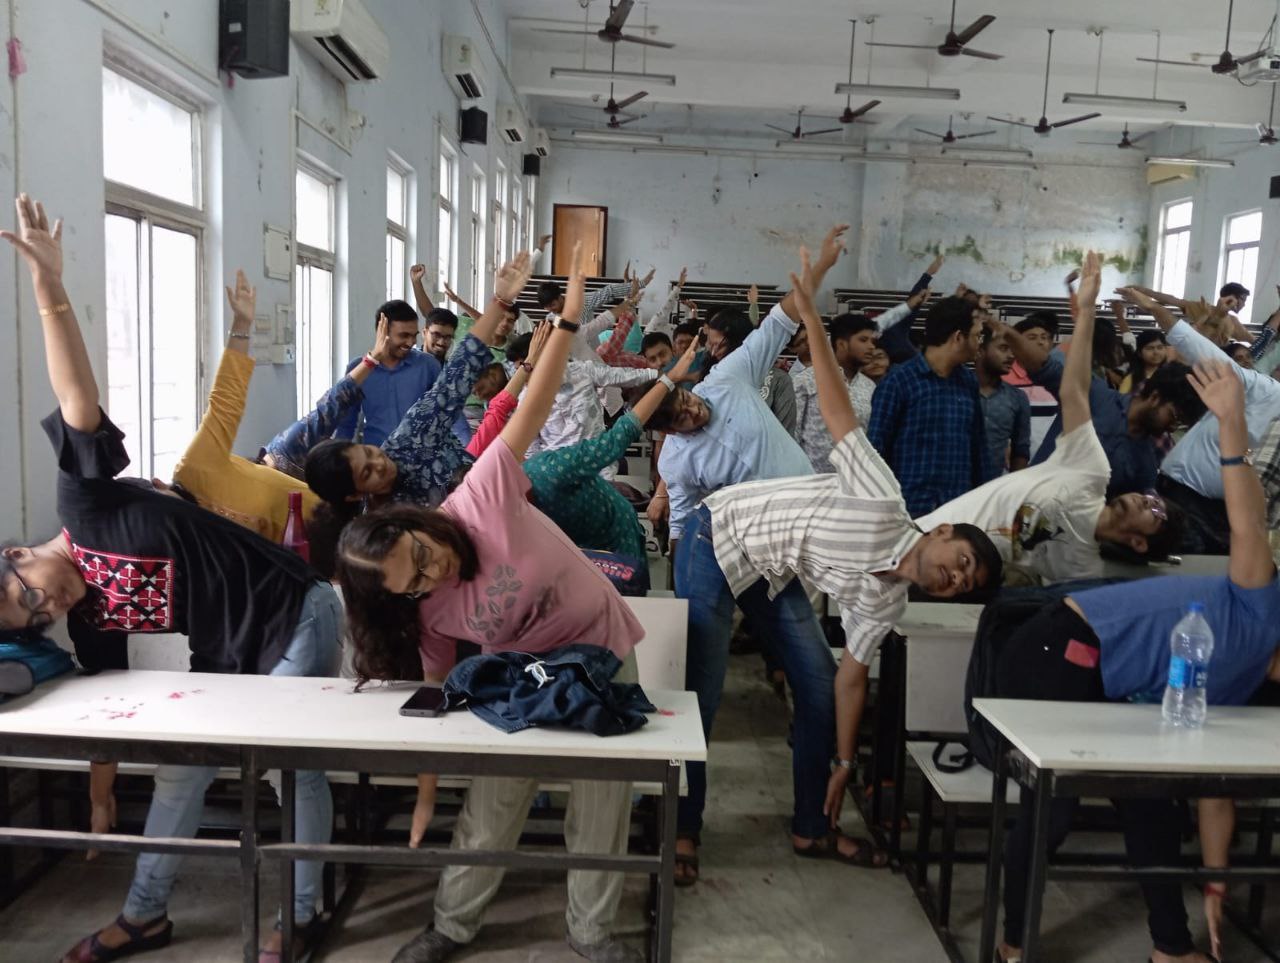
(579,222)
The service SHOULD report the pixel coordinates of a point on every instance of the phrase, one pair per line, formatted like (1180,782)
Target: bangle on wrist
(504,302)
(1216,889)
(843,763)
(525,366)
(237,334)
(55,309)
(369,361)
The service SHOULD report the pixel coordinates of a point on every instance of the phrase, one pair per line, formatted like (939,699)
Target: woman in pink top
(490,568)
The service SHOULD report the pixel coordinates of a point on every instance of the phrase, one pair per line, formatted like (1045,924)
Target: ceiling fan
(849,115)
(1267,131)
(1043,128)
(1125,143)
(611,32)
(614,107)
(799,133)
(950,137)
(1226,62)
(956,43)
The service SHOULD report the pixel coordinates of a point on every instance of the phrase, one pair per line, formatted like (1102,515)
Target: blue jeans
(178,802)
(792,632)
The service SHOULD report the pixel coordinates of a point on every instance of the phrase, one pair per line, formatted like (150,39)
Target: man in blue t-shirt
(1112,644)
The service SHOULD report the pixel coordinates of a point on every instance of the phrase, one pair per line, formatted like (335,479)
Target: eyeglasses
(1155,504)
(32,599)
(421,562)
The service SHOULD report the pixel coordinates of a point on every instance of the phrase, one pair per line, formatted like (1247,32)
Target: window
(314,232)
(530,236)
(500,226)
(1242,236)
(153,232)
(517,216)
(446,206)
(398,181)
(479,268)
(1174,246)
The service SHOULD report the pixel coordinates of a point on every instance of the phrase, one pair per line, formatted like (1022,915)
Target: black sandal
(689,862)
(828,847)
(91,949)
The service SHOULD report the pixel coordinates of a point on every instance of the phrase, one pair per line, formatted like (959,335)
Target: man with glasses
(1050,519)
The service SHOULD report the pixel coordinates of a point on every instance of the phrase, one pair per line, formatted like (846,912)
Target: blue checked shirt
(930,431)
(388,395)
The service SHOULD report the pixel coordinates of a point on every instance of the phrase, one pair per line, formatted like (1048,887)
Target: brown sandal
(828,847)
(688,862)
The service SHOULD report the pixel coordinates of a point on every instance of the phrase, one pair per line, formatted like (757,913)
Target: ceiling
(741,64)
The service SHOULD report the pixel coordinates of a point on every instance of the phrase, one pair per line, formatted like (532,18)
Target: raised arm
(466,308)
(1163,299)
(70,373)
(547,377)
(417,281)
(833,394)
(1149,301)
(1250,564)
(1073,391)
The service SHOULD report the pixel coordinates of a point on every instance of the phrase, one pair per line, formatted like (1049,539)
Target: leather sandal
(93,950)
(828,847)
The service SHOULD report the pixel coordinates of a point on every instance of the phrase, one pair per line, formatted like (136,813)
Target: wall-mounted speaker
(1275,186)
(253,37)
(473,126)
(532,165)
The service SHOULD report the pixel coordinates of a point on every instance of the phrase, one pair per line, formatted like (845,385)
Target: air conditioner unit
(343,35)
(1265,69)
(1158,174)
(541,143)
(511,124)
(462,67)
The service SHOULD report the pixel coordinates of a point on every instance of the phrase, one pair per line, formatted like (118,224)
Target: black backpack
(1002,616)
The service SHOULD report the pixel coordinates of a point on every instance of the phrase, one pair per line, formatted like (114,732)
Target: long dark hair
(384,626)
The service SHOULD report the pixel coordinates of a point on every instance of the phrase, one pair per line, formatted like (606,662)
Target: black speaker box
(532,166)
(1275,186)
(473,124)
(253,37)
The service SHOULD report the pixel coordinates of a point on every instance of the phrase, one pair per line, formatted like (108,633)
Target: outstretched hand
(681,369)
(417,272)
(538,342)
(243,299)
(832,247)
(802,288)
(511,278)
(577,282)
(1219,388)
(1090,277)
(381,351)
(920,297)
(39,245)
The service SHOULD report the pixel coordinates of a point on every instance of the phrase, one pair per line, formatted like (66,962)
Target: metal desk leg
(946,864)
(923,835)
(995,853)
(1039,868)
(666,876)
(288,822)
(1258,891)
(249,854)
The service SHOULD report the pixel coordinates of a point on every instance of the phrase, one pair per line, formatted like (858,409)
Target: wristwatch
(564,324)
(843,763)
(1245,459)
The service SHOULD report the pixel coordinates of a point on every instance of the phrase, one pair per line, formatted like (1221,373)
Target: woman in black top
(129,559)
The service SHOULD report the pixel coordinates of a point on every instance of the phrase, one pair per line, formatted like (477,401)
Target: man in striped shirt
(850,535)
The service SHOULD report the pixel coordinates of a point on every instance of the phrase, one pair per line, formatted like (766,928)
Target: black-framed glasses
(32,599)
(421,562)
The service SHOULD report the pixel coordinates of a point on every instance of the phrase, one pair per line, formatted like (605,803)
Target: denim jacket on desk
(569,687)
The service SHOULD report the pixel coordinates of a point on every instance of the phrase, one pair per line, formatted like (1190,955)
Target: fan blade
(906,46)
(825,130)
(646,41)
(981,133)
(1251,58)
(786,130)
(624,104)
(618,18)
(1100,143)
(869,105)
(632,120)
(981,53)
(1138,137)
(1171,63)
(1016,123)
(576,33)
(1075,120)
(975,28)
(929,133)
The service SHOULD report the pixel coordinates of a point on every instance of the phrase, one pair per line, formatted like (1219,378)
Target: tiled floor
(756,901)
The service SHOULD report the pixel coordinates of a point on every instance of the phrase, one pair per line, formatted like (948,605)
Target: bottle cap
(1195,607)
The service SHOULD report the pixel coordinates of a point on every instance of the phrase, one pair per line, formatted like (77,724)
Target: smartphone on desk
(428,701)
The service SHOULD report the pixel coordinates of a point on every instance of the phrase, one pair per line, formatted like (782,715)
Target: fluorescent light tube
(1192,161)
(617,137)
(586,74)
(890,90)
(800,147)
(975,149)
(1113,100)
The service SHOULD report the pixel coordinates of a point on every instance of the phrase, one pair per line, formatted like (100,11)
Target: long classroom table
(256,723)
(1110,750)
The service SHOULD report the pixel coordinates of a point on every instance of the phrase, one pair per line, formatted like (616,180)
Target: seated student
(926,420)
(1112,644)
(1150,352)
(414,578)
(1050,519)
(422,458)
(853,339)
(117,567)
(1189,475)
(850,536)
(1130,427)
(392,387)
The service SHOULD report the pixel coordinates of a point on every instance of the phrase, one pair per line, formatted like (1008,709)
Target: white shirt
(834,531)
(576,414)
(1194,460)
(1042,518)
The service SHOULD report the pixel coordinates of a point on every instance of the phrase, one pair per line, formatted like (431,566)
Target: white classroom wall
(51,146)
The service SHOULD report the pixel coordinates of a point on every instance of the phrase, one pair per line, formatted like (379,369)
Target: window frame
(503,236)
(306,257)
(447,209)
(401,231)
(1162,245)
(479,218)
(1239,247)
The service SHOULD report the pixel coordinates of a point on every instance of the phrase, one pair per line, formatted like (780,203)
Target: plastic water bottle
(1190,647)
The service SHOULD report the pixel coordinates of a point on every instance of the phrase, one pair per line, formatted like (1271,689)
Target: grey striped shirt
(835,531)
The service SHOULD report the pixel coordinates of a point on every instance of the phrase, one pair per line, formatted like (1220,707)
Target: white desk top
(255,710)
(1191,565)
(935,617)
(1120,737)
